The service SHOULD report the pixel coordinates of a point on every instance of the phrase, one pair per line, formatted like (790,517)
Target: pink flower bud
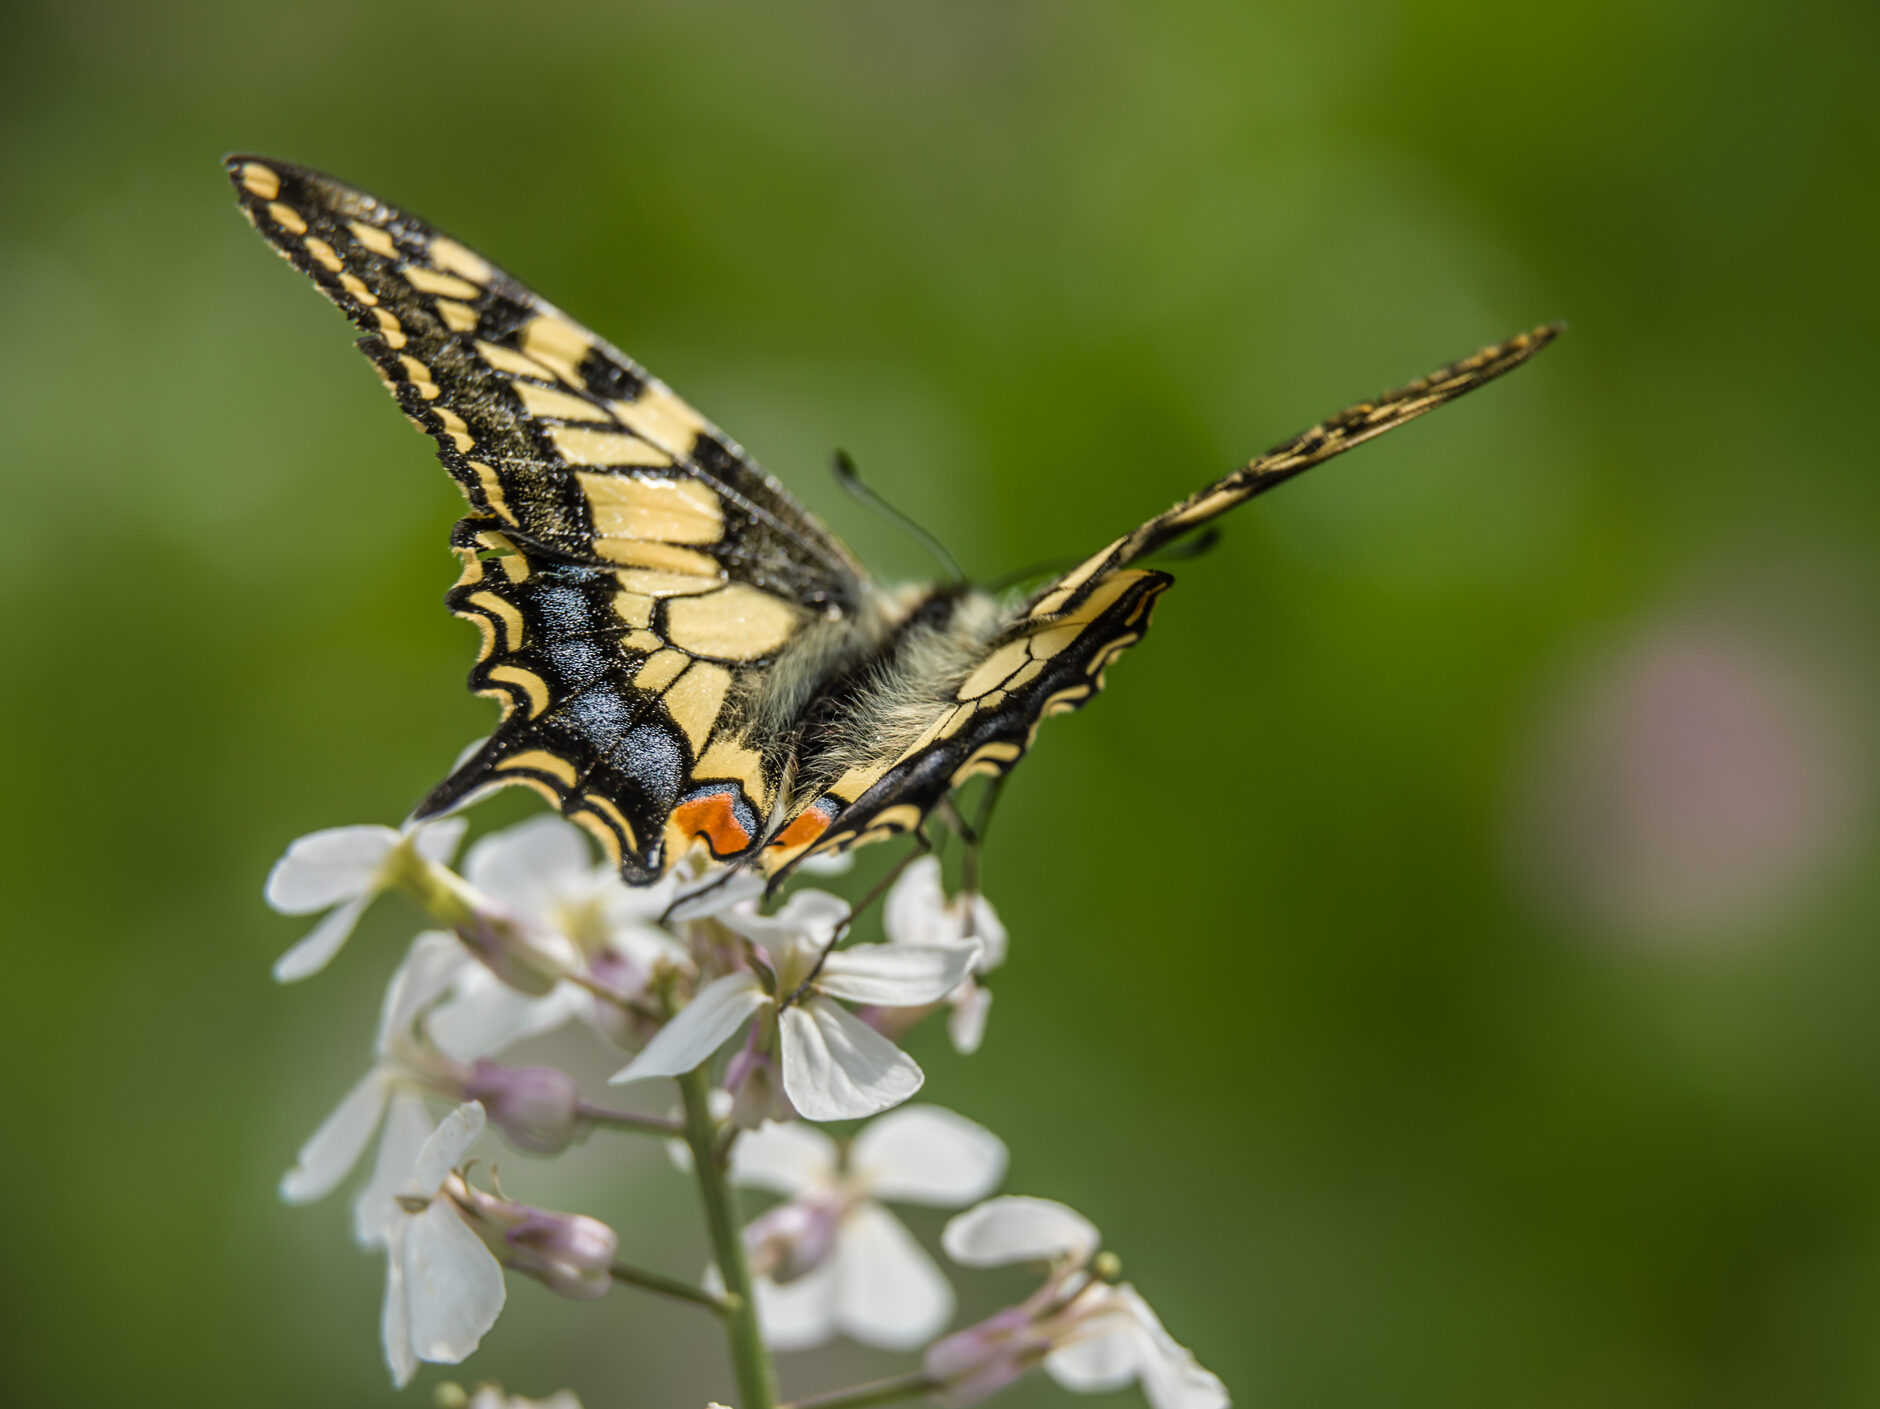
(528,959)
(622,1025)
(794,1238)
(537,1108)
(756,1086)
(978,1362)
(569,1253)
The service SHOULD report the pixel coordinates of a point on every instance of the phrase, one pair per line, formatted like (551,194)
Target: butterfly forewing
(630,569)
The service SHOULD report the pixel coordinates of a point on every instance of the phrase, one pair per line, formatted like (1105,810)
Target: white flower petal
(919,911)
(1014,1228)
(645,946)
(889,1292)
(827,863)
(715,893)
(327,938)
(915,910)
(786,1159)
(486,1016)
(323,868)
(436,840)
(966,1024)
(445,1150)
(1105,1356)
(395,1317)
(811,915)
(431,965)
(837,1067)
(1171,1376)
(989,930)
(799,1315)
(333,1149)
(529,865)
(622,904)
(407,1126)
(453,1285)
(718,1010)
(926,1155)
(897,975)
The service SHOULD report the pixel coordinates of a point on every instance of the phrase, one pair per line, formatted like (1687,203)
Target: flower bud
(794,1238)
(569,1253)
(756,1087)
(529,959)
(536,1108)
(978,1362)
(624,1026)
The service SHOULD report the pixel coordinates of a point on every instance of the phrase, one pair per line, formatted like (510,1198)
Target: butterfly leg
(676,911)
(973,836)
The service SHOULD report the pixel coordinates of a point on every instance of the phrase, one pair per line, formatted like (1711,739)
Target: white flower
(832,1259)
(543,870)
(494,1397)
(342,870)
(1122,1341)
(1090,1334)
(443,1287)
(919,911)
(835,1066)
(391,1094)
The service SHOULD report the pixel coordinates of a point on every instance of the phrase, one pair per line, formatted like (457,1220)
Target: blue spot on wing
(653,758)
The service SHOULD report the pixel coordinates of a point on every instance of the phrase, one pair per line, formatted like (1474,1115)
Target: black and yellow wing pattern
(629,568)
(685,657)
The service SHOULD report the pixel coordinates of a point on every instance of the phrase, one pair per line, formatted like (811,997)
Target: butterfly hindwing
(634,574)
(980,723)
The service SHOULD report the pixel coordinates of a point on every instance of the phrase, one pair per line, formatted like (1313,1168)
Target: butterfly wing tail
(1333,436)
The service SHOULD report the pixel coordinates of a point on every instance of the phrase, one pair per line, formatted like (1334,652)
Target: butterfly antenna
(850,479)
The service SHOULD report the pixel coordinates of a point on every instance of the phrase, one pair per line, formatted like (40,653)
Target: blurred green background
(1445,961)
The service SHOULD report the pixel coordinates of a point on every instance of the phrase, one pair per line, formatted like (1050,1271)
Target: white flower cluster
(534,934)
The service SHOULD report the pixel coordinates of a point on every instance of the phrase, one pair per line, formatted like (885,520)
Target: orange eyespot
(714,816)
(809,824)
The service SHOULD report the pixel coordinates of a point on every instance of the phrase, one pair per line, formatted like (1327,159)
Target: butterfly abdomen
(886,696)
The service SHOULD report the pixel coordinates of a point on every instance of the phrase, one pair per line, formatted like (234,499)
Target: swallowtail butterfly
(683,654)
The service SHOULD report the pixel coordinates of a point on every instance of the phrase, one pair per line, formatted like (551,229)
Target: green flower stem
(434,889)
(875,1392)
(669,1286)
(757,1375)
(631,1120)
